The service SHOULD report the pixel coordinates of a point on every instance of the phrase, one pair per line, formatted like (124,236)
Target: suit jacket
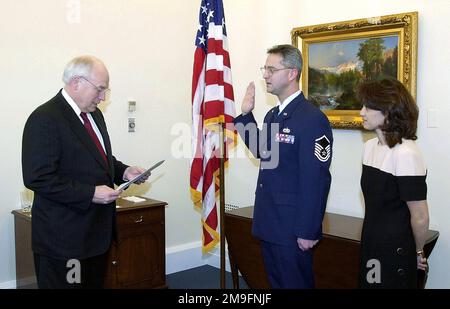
(294,149)
(62,165)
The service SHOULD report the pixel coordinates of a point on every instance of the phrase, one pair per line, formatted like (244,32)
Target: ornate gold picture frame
(338,56)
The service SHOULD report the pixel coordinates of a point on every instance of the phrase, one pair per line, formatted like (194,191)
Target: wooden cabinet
(25,276)
(336,257)
(137,255)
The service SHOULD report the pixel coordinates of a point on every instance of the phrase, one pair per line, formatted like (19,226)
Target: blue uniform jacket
(294,149)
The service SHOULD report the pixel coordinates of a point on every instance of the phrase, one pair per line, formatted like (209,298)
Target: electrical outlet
(131,125)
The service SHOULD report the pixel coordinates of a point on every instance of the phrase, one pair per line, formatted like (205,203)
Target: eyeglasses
(271,70)
(98,88)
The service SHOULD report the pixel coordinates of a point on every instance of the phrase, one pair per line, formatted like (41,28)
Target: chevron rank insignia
(322,148)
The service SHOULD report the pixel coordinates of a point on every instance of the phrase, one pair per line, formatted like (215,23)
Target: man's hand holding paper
(137,175)
(134,171)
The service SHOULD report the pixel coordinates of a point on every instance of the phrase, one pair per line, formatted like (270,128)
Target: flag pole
(222,206)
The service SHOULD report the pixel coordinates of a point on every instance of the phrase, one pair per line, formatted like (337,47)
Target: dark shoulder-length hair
(397,105)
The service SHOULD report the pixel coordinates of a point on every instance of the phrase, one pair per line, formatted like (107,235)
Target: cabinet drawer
(138,217)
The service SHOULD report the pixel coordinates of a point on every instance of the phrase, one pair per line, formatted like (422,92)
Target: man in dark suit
(294,147)
(67,161)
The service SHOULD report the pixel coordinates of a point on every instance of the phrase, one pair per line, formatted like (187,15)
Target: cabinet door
(140,249)
(141,257)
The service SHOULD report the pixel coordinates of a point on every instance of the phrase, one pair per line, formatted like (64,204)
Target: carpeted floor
(203,277)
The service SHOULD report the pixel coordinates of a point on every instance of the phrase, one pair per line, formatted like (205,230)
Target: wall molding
(187,256)
(8,285)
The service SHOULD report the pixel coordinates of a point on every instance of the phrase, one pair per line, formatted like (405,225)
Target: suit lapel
(80,131)
(266,132)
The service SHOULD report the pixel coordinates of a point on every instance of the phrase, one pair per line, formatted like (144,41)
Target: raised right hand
(105,195)
(248,103)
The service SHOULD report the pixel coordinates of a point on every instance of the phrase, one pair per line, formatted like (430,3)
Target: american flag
(212,104)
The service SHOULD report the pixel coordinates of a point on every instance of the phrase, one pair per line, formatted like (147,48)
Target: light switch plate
(131,106)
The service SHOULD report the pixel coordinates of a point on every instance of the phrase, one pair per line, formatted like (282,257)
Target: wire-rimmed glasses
(99,89)
(270,70)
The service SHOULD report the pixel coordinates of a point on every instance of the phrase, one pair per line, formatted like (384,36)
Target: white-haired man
(67,161)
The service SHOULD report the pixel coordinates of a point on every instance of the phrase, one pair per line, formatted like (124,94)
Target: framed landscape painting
(339,56)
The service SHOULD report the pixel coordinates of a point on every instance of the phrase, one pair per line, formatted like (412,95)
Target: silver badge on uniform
(322,148)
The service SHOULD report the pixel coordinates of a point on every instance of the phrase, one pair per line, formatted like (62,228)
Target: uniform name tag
(284,138)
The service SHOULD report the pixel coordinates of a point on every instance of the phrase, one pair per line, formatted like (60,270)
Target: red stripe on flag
(213,77)
(199,60)
(216,47)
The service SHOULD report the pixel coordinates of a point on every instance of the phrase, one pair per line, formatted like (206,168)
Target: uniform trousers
(288,267)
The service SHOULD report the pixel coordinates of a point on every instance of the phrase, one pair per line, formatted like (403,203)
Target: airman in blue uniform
(294,148)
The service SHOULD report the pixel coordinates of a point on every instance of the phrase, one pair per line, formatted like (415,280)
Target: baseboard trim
(187,256)
(182,257)
(213,259)
(8,285)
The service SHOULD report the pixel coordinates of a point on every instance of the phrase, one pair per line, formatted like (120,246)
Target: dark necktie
(88,126)
(276,111)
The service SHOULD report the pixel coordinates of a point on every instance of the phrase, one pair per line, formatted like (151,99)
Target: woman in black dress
(394,188)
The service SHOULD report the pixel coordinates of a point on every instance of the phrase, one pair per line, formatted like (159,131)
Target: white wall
(148,47)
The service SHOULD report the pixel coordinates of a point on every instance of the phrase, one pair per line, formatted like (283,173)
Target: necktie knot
(84,117)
